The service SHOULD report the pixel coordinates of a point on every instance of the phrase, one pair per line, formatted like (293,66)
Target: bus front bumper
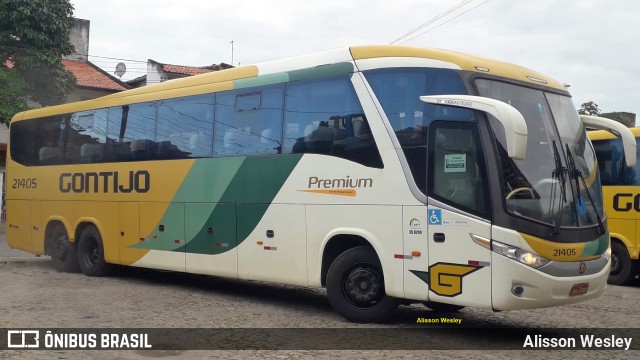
(518,286)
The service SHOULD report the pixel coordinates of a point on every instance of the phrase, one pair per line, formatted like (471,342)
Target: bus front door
(459,264)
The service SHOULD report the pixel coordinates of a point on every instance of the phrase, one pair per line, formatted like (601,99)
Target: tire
(62,251)
(440,307)
(355,287)
(623,268)
(91,253)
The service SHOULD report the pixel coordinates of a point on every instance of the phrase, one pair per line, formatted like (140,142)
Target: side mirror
(628,140)
(515,127)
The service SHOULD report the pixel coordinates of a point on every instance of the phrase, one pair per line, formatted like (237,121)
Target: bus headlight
(523,256)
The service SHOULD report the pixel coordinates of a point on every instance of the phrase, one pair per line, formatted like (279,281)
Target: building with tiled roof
(158,72)
(91,81)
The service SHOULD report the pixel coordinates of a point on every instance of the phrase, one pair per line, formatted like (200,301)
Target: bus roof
(336,61)
(605,135)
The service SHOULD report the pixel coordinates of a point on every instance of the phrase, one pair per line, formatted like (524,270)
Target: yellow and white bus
(621,193)
(386,174)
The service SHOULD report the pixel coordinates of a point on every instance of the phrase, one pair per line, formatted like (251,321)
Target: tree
(12,89)
(589,108)
(626,119)
(34,34)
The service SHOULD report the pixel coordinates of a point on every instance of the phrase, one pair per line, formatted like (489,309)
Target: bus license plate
(579,289)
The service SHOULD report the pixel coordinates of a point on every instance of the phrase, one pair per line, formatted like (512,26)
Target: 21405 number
(25,183)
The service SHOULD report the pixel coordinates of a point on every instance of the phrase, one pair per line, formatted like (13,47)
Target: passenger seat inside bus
(142,149)
(92,153)
(320,140)
(50,155)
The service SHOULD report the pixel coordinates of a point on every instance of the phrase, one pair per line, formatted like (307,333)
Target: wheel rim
(616,264)
(92,252)
(60,248)
(363,287)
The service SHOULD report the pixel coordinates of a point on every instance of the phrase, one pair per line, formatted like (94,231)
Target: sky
(592,45)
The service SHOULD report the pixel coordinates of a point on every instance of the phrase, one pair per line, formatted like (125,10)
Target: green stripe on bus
(321,71)
(303,74)
(597,246)
(221,198)
(251,201)
(269,79)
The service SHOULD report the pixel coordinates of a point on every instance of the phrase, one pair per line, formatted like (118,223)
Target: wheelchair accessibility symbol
(435,217)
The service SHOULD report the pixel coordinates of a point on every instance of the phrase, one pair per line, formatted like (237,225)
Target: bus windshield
(557,183)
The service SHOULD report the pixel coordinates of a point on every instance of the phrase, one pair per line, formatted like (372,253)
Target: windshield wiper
(559,175)
(579,178)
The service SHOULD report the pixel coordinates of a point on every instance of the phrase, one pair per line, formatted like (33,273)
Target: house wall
(79,37)
(80,94)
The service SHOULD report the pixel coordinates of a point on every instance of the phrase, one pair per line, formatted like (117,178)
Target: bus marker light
(259,242)
(484,242)
(271,248)
(474,262)
(220,244)
(416,253)
(142,239)
(176,241)
(155,236)
(401,256)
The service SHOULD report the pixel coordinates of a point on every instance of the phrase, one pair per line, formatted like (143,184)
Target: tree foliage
(620,117)
(34,34)
(589,108)
(12,88)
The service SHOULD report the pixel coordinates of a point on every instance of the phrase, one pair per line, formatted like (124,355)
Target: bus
(621,195)
(386,174)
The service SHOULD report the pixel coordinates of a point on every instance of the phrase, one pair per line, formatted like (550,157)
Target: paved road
(34,295)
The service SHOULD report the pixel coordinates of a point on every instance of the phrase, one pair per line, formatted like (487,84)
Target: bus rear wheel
(355,287)
(91,253)
(623,268)
(62,251)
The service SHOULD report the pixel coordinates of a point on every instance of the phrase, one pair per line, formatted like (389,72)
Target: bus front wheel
(62,251)
(623,268)
(91,253)
(355,287)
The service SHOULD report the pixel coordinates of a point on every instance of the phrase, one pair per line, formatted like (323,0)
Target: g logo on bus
(445,279)
(582,268)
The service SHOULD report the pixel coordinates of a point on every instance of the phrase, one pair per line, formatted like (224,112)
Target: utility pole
(232,52)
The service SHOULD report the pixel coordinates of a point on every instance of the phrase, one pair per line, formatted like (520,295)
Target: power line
(435,18)
(437,26)
(440,16)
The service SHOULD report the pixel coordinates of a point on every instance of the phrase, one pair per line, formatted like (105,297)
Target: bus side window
(631,175)
(49,140)
(324,116)
(23,134)
(86,136)
(249,121)
(184,127)
(610,160)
